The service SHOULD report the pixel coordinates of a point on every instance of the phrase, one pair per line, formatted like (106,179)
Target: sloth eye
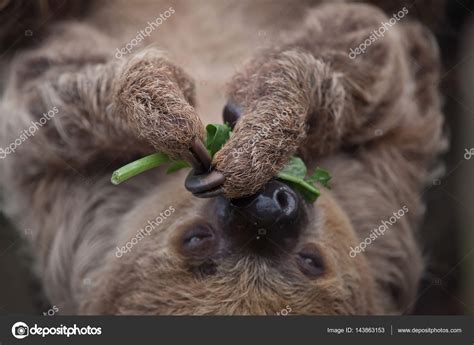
(198,241)
(310,262)
(198,235)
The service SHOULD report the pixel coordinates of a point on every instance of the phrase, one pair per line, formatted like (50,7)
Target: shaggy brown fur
(374,122)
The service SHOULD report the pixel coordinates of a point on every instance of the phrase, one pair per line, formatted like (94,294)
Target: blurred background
(447,235)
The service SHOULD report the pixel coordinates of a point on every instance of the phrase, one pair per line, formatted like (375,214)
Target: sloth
(324,82)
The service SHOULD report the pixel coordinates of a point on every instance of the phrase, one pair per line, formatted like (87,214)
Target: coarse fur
(374,122)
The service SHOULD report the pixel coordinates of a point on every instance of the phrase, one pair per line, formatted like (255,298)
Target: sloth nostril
(282,199)
(286,201)
(275,215)
(275,204)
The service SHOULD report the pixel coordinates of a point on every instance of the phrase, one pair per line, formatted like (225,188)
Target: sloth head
(257,255)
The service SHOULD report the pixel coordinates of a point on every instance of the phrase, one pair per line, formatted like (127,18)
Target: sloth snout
(275,205)
(268,220)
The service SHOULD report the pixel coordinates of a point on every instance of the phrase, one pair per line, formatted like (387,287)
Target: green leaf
(293,173)
(322,176)
(295,167)
(139,166)
(307,190)
(177,165)
(217,135)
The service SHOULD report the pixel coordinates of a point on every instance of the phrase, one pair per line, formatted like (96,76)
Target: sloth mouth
(262,223)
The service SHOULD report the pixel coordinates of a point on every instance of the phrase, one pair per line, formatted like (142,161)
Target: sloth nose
(272,216)
(276,203)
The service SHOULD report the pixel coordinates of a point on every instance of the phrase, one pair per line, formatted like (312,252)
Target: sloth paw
(157,98)
(268,103)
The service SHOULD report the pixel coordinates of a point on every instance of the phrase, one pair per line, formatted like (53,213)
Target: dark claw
(231,114)
(198,157)
(200,152)
(203,183)
(210,194)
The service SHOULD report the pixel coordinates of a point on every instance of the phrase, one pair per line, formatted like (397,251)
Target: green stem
(139,166)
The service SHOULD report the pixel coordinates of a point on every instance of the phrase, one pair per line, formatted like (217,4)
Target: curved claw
(198,157)
(231,113)
(201,183)
(210,194)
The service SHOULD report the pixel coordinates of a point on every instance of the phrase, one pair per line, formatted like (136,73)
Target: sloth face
(257,255)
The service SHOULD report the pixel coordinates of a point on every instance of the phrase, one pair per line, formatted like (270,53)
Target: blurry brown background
(447,236)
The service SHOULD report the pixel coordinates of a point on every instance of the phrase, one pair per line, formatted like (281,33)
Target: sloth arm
(324,101)
(107,108)
(374,121)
